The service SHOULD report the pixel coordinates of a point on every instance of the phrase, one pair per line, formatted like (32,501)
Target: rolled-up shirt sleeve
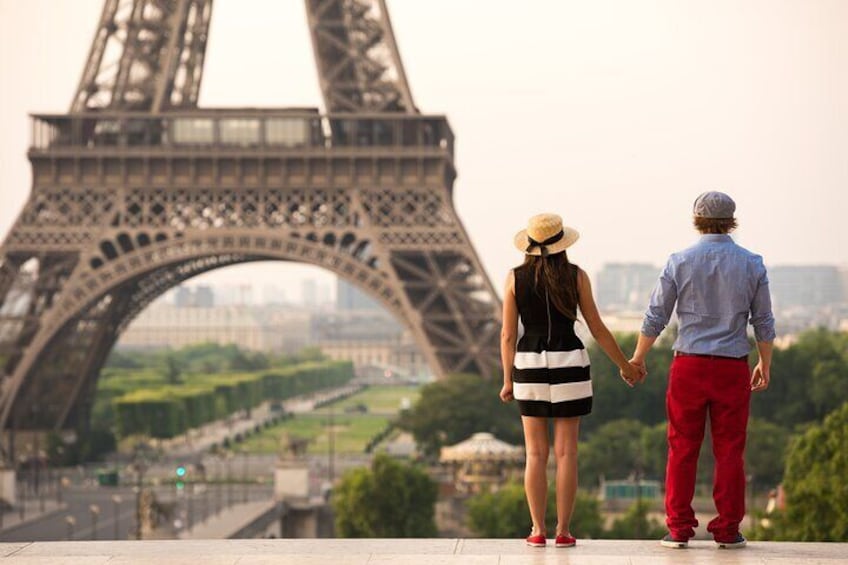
(761,315)
(662,302)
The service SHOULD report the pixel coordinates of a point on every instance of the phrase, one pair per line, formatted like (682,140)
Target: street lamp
(22,490)
(42,490)
(331,445)
(244,477)
(71,522)
(229,478)
(95,512)
(189,493)
(116,501)
(141,451)
(64,483)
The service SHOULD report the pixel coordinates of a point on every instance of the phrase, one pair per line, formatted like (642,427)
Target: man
(716,285)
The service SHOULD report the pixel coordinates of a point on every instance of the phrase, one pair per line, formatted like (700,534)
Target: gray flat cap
(714,204)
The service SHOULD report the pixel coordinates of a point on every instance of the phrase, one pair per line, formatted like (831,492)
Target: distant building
(273,294)
(808,286)
(204,297)
(260,329)
(349,298)
(183,297)
(625,286)
(201,296)
(309,292)
(843,275)
(372,340)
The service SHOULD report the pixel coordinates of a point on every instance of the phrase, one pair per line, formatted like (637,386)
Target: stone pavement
(410,552)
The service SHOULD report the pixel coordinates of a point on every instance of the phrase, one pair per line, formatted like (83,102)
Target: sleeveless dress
(551,369)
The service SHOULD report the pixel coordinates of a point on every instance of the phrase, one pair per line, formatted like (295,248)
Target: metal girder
(146,55)
(359,66)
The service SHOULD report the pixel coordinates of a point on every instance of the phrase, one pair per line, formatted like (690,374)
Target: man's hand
(643,368)
(506,393)
(633,374)
(760,377)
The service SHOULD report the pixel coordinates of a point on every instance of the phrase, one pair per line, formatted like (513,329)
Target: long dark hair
(556,274)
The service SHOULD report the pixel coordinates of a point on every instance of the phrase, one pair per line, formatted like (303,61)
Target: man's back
(716,285)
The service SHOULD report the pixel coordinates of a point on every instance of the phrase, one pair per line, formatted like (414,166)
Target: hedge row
(168,411)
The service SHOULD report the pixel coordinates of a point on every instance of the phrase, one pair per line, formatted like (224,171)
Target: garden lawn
(384,400)
(353,430)
(352,433)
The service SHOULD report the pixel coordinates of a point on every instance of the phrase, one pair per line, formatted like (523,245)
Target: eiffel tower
(137,189)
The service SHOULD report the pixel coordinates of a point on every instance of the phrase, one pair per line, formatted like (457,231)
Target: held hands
(635,372)
(760,377)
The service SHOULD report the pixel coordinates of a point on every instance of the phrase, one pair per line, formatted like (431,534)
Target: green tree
(450,410)
(615,400)
(172,369)
(635,524)
(612,451)
(815,484)
(654,450)
(387,500)
(808,380)
(504,514)
(765,453)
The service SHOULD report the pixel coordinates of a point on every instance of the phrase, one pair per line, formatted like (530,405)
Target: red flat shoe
(565,541)
(537,540)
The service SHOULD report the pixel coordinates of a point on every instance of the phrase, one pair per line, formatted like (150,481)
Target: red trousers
(722,388)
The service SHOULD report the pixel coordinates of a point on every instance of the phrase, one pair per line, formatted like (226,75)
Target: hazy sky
(615,114)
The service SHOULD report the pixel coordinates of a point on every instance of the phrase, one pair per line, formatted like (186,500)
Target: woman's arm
(599,330)
(509,332)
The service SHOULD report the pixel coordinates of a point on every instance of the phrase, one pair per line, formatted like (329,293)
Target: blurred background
(277,398)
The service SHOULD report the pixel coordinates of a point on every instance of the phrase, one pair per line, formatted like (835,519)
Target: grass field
(352,430)
(383,400)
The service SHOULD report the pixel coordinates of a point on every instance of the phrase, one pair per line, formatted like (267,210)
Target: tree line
(798,437)
(625,433)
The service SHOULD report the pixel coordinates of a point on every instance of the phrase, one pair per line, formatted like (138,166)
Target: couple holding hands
(717,288)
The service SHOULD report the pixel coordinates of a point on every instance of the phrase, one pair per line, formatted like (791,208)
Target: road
(115,521)
(236,479)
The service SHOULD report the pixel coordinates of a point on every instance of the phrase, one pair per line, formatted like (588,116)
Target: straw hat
(545,235)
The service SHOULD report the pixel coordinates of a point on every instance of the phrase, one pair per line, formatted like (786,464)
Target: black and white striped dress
(550,374)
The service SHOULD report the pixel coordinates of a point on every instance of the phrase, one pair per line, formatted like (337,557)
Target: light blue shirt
(718,287)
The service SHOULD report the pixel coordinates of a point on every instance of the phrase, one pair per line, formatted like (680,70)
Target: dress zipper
(548,306)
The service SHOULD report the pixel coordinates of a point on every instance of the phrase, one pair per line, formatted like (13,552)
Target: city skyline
(248,294)
(604,102)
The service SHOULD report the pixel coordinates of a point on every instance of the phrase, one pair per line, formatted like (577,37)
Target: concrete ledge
(410,552)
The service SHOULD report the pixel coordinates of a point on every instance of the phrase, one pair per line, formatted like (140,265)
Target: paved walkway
(410,552)
(199,440)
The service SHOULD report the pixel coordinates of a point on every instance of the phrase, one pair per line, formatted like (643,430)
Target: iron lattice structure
(137,189)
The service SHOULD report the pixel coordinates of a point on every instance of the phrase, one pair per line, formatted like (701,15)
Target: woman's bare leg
(565,450)
(535,472)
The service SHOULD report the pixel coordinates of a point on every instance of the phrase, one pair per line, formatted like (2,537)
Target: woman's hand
(632,373)
(506,392)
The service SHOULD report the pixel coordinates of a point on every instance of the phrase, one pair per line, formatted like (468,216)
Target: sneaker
(536,541)
(670,541)
(738,543)
(565,540)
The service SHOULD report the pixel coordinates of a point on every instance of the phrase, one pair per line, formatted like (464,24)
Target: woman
(549,374)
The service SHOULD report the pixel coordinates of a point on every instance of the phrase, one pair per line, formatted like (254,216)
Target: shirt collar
(717,238)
